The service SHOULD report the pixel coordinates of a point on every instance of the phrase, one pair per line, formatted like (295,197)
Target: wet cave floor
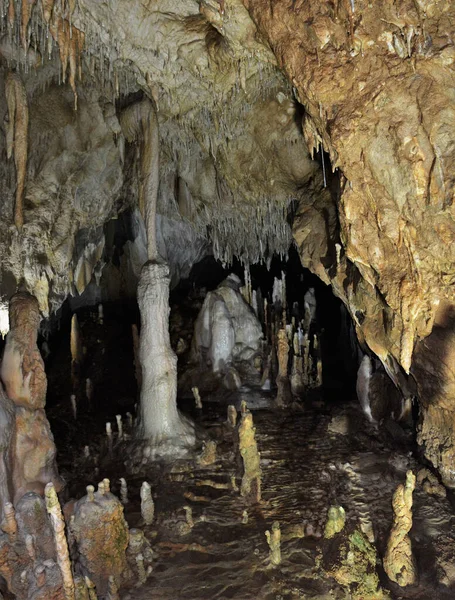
(312,456)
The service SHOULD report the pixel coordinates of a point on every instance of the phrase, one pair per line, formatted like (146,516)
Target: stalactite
(70,42)
(16,138)
(26,11)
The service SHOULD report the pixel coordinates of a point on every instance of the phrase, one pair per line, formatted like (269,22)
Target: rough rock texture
(251,479)
(226,329)
(33,451)
(28,562)
(398,561)
(159,420)
(432,368)
(377,84)
(101,535)
(351,560)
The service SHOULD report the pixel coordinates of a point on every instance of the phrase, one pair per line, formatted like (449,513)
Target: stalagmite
(197,397)
(147,504)
(73,406)
(9,524)
(112,592)
(61,545)
(284,389)
(251,480)
(208,455)
(100,314)
(80,588)
(335,522)
(91,588)
(118,418)
(22,372)
(16,137)
(398,561)
(110,440)
(159,420)
(142,575)
(274,542)
(123,491)
(231,415)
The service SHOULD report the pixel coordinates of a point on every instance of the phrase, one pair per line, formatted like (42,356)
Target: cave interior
(227,306)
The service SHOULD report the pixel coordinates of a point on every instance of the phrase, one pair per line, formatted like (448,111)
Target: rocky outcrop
(377,85)
(30,459)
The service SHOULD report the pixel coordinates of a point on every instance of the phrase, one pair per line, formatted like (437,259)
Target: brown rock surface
(32,454)
(377,82)
(398,561)
(101,536)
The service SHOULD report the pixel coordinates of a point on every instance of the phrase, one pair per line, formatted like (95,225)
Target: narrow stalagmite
(197,397)
(274,542)
(398,561)
(251,480)
(159,420)
(147,504)
(61,545)
(16,137)
(284,389)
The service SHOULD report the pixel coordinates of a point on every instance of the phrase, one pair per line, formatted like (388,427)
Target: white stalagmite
(118,418)
(61,545)
(123,491)
(147,504)
(159,420)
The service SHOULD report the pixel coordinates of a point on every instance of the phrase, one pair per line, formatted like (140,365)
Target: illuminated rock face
(377,85)
(31,455)
(226,329)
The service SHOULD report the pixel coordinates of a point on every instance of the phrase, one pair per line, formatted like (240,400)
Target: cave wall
(378,86)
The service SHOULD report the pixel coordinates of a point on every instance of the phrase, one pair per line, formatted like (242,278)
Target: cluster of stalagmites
(85,551)
(351,558)
(236,324)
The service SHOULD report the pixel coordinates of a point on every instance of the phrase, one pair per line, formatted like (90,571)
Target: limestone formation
(61,544)
(17,137)
(335,522)
(159,420)
(274,542)
(101,536)
(147,504)
(32,456)
(398,561)
(208,455)
(226,330)
(251,479)
(284,388)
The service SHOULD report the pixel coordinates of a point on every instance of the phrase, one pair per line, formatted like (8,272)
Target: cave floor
(311,458)
(314,455)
